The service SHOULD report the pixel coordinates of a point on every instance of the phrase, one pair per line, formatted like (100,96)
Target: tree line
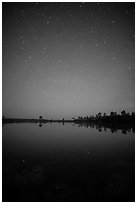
(113,117)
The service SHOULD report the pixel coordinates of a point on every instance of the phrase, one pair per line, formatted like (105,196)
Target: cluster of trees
(108,118)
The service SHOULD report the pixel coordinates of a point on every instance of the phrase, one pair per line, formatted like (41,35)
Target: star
(44,49)
(22,12)
(129,67)
(23,160)
(92,31)
(29,58)
(20,38)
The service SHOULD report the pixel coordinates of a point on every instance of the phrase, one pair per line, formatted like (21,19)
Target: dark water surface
(58,162)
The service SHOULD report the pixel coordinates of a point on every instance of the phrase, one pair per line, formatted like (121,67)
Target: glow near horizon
(67,59)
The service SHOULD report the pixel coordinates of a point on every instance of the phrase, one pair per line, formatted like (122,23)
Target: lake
(67,162)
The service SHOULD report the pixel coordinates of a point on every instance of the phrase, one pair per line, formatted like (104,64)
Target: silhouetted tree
(79,118)
(112,114)
(99,114)
(123,113)
(133,114)
(40,117)
(115,113)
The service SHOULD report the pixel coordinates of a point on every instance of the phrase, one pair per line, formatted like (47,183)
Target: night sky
(67,59)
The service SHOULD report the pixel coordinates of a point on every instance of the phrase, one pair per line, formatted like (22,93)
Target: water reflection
(58,163)
(114,129)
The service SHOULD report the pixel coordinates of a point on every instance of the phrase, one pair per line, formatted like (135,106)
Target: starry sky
(67,59)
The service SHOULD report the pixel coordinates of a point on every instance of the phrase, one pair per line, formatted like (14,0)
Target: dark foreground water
(58,162)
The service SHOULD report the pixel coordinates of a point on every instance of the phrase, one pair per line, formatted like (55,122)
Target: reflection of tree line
(124,121)
(104,127)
